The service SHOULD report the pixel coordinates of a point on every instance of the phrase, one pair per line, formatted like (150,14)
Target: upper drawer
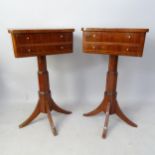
(120,37)
(32,38)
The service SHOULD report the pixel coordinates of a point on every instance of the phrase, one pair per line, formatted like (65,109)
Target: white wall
(77,78)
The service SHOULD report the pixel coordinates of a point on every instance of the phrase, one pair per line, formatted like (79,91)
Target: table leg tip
(86,115)
(21,126)
(136,126)
(104,136)
(55,133)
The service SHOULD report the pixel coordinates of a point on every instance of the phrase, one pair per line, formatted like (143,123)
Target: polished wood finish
(41,43)
(112,38)
(125,42)
(29,43)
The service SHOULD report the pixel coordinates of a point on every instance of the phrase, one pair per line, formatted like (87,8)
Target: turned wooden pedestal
(45,103)
(110,105)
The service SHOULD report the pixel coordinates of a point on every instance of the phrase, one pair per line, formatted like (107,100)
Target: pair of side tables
(113,42)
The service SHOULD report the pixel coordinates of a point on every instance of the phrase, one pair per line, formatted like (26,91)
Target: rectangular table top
(114,41)
(40,42)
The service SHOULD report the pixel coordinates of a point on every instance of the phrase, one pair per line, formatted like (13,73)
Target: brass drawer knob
(27,38)
(94,47)
(29,50)
(129,36)
(61,36)
(127,49)
(61,47)
(94,35)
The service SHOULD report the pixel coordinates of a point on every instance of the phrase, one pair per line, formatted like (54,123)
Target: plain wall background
(76,78)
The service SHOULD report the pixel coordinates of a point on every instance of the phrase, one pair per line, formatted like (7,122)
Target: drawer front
(26,51)
(32,38)
(113,37)
(114,49)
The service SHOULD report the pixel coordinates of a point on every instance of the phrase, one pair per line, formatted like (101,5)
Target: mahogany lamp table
(113,42)
(39,43)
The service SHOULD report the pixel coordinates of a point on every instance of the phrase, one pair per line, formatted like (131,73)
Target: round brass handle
(129,36)
(61,36)
(127,49)
(27,38)
(29,50)
(94,47)
(61,47)
(94,35)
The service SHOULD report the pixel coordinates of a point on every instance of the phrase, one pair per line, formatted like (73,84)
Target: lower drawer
(114,49)
(37,50)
